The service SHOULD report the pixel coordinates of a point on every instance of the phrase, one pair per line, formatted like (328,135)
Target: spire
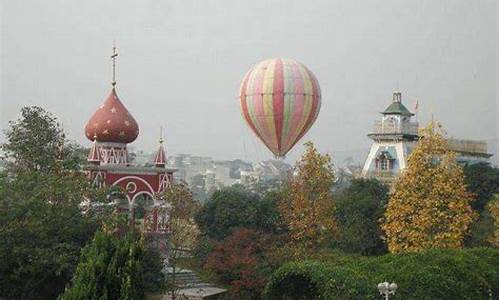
(94,156)
(160,157)
(113,59)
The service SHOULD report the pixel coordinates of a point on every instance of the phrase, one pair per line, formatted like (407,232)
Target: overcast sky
(180,64)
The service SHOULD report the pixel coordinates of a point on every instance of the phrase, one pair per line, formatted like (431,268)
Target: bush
(432,274)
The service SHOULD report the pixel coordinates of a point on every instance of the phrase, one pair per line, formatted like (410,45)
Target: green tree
(482,181)
(430,205)
(235,207)
(36,141)
(358,210)
(111,267)
(307,205)
(42,227)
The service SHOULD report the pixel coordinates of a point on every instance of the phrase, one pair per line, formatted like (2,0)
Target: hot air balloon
(280,100)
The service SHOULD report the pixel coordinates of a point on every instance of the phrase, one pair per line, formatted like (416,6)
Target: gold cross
(113,58)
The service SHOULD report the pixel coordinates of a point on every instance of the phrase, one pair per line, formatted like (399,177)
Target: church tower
(394,137)
(110,129)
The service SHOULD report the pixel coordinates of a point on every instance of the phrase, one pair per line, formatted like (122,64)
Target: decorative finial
(161,135)
(113,58)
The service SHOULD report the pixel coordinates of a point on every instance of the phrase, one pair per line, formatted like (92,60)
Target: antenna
(113,58)
(161,135)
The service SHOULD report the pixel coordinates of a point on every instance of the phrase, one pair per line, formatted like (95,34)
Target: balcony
(380,127)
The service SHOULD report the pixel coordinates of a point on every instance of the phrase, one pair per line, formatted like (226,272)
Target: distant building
(394,138)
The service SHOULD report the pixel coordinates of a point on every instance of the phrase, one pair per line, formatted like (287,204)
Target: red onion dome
(112,122)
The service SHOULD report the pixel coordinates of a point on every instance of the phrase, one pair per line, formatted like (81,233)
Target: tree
(307,205)
(182,233)
(430,205)
(35,142)
(111,267)
(358,210)
(43,229)
(482,181)
(235,207)
(241,261)
(493,210)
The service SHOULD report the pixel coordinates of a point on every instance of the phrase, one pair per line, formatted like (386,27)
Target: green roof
(397,108)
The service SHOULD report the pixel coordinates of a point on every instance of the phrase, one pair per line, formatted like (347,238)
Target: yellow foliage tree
(307,205)
(493,210)
(429,206)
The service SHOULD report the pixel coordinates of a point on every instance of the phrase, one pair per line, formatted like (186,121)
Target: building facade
(110,129)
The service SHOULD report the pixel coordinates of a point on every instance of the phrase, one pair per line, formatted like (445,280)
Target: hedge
(432,274)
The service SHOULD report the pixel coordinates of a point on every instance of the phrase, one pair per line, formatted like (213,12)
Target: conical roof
(112,122)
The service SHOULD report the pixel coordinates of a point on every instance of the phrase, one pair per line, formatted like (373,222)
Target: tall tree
(358,210)
(43,229)
(307,205)
(430,205)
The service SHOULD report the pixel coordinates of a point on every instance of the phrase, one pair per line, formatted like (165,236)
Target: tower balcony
(395,128)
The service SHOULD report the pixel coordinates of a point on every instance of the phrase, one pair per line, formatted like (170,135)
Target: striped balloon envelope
(280,100)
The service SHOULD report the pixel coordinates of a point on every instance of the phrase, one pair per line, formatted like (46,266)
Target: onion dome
(112,122)
(160,157)
(94,156)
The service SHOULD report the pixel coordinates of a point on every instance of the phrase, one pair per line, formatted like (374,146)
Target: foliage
(429,274)
(493,211)
(183,232)
(307,205)
(43,228)
(235,207)
(41,241)
(35,142)
(111,267)
(429,207)
(358,210)
(240,261)
(482,181)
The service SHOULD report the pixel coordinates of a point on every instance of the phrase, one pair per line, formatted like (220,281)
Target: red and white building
(111,128)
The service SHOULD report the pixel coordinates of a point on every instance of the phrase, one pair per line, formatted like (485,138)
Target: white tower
(393,140)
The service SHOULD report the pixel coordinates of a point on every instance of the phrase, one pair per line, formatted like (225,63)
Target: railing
(467,146)
(381,127)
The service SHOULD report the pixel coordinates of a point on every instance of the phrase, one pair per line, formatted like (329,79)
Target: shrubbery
(432,274)
(110,267)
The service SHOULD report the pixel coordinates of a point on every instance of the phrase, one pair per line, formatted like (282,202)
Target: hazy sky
(180,64)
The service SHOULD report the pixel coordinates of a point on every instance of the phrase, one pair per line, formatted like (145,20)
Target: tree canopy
(430,205)
(235,207)
(110,267)
(307,205)
(358,210)
(43,228)
(482,181)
